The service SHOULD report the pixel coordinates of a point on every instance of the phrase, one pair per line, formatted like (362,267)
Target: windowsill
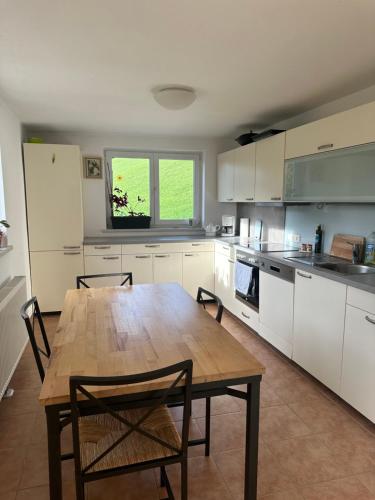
(155,231)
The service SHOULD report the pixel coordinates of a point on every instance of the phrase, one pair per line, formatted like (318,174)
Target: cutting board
(342,245)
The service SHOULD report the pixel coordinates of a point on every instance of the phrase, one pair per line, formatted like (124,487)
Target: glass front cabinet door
(345,175)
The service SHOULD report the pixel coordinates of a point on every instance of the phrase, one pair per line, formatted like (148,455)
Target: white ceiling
(90,64)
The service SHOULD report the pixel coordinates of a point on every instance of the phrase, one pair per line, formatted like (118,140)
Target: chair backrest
(127,278)
(29,319)
(84,402)
(214,299)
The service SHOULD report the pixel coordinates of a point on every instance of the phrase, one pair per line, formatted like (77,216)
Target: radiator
(13,335)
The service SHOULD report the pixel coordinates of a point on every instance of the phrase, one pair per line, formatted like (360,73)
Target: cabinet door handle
(249,199)
(67,247)
(152,246)
(196,244)
(226,248)
(53,158)
(229,199)
(303,275)
(143,256)
(325,146)
(189,255)
(105,247)
(162,256)
(72,253)
(370,320)
(275,198)
(245,315)
(111,258)
(231,261)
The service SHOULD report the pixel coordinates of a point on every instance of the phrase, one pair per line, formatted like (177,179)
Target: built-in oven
(246,278)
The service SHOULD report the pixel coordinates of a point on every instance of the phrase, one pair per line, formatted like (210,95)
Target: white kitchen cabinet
(53,196)
(276,302)
(167,267)
(224,279)
(198,270)
(319,312)
(358,369)
(225,176)
(103,249)
(244,173)
(141,267)
(52,274)
(269,177)
(341,130)
(103,264)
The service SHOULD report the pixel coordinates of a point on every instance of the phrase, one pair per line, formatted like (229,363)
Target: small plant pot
(131,222)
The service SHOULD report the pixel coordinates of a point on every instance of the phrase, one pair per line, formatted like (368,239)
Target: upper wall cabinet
(349,128)
(54,196)
(225,176)
(236,174)
(270,169)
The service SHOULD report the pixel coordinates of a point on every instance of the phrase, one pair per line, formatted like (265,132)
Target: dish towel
(243,277)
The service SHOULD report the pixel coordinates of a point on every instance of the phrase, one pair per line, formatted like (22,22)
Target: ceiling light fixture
(174,97)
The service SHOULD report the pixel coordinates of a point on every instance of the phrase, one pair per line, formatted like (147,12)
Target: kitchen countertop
(364,282)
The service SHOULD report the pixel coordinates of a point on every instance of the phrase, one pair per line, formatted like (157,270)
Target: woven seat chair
(29,312)
(129,434)
(127,278)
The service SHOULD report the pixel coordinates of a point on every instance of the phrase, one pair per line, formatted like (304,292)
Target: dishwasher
(276,297)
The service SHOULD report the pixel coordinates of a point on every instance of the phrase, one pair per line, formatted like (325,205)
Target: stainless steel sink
(346,268)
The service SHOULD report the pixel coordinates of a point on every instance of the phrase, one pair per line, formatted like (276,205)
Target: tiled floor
(312,446)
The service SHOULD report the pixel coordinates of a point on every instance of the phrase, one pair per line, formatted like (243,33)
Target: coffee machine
(228,225)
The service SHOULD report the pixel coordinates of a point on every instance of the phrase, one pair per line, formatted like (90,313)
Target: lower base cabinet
(103,264)
(358,369)
(276,299)
(141,267)
(167,267)
(52,274)
(319,314)
(198,270)
(224,280)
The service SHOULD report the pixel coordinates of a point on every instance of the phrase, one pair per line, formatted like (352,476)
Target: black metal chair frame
(65,417)
(213,300)
(81,407)
(80,279)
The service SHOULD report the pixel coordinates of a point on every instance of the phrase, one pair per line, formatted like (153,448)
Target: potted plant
(4,225)
(135,219)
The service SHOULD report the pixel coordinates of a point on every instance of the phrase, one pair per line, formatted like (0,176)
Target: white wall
(94,190)
(17,261)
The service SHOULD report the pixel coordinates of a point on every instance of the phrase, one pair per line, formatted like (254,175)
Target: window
(164,186)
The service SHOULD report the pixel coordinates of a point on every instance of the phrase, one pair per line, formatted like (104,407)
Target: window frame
(154,157)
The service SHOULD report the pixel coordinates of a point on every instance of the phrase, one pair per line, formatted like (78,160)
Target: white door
(225,176)
(141,267)
(167,267)
(52,274)
(102,264)
(54,196)
(276,298)
(269,176)
(198,270)
(319,313)
(244,173)
(358,371)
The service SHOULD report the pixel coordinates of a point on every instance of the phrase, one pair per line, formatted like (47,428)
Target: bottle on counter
(370,249)
(318,239)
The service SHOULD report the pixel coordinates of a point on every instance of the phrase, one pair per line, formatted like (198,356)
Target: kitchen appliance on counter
(244,229)
(228,225)
(247,276)
(211,229)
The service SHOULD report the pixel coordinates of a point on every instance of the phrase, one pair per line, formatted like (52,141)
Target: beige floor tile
(205,480)
(279,422)
(135,486)
(283,495)
(23,401)
(194,433)
(321,414)
(268,396)
(307,460)
(227,431)
(11,464)
(368,480)
(42,492)
(11,495)
(26,378)
(349,488)
(294,387)
(19,430)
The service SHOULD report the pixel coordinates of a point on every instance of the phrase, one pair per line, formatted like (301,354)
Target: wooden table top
(125,330)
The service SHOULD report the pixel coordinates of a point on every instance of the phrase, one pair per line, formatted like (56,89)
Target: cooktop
(265,247)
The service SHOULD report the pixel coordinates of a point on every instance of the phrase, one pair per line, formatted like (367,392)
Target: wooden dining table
(132,329)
